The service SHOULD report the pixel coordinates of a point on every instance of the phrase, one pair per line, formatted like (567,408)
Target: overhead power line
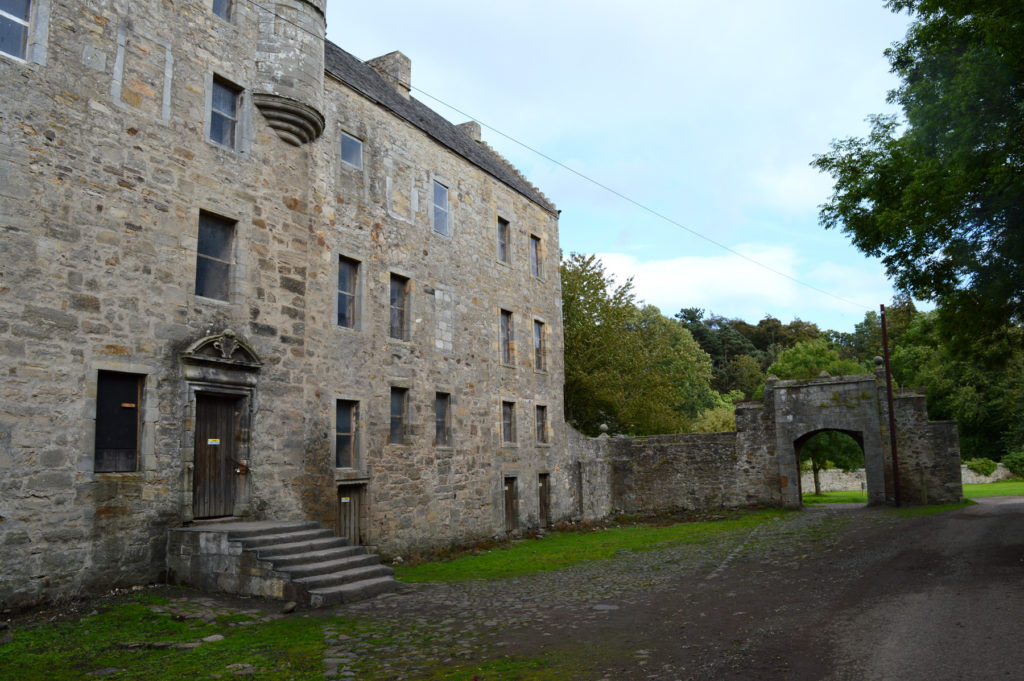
(628,199)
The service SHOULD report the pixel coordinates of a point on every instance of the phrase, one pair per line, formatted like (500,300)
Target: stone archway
(801,409)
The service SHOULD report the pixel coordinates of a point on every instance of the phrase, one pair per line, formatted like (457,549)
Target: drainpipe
(892,413)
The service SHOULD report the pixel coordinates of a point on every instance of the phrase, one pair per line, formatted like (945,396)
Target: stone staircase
(296,561)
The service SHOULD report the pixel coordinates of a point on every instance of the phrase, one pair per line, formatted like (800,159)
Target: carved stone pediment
(221,358)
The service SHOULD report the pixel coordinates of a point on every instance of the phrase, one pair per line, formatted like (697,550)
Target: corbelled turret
(290,68)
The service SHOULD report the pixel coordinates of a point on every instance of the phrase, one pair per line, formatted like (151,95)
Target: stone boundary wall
(669,472)
(834,480)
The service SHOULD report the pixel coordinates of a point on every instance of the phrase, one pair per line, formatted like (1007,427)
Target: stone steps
(288,560)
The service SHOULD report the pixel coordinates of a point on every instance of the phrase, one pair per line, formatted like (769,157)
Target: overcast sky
(705,112)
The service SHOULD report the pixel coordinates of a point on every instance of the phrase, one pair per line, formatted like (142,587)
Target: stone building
(244,274)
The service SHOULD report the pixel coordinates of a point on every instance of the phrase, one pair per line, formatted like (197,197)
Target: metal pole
(892,413)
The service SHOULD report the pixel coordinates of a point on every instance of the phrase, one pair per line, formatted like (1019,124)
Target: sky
(706,113)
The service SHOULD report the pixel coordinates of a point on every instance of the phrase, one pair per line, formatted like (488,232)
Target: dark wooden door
(511,505)
(544,497)
(350,498)
(213,481)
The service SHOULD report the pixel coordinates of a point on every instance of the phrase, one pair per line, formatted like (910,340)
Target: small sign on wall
(213,441)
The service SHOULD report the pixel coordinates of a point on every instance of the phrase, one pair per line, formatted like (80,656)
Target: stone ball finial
(878,361)
(824,374)
(604,429)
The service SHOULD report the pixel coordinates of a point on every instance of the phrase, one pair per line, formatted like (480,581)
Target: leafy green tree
(595,314)
(809,358)
(982,389)
(743,373)
(830,449)
(626,366)
(939,194)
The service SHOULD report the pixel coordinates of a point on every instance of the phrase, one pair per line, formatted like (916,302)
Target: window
(14,27)
(399,307)
(399,401)
(351,151)
(443,420)
(542,424)
(504,246)
(117,421)
(348,280)
(535,262)
(223,112)
(538,346)
(508,422)
(222,8)
(506,337)
(213,257)
(346,420)
(440,208)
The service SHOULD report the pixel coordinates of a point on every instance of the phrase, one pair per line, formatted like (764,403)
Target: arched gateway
(792,412)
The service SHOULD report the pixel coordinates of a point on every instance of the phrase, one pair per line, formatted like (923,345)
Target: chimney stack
(396,69)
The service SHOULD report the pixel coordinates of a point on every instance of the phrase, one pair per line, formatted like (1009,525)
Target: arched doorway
(829,449)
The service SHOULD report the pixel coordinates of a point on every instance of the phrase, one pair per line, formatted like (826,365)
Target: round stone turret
(289,86)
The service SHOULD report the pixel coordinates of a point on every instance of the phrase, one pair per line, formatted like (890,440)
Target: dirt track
(837,594)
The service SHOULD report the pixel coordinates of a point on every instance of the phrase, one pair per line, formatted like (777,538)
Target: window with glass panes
(213,256)
(223,112)
(399,406)
(14,16)
(442,419)
(346,420)
(348,279)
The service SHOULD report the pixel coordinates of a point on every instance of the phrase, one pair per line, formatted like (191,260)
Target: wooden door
(350,498)
(544,498)
(213,480)
(511,505)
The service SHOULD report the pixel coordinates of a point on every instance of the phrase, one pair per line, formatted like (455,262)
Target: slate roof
(366,81)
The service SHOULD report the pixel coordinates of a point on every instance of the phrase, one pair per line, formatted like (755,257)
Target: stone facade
(123,127)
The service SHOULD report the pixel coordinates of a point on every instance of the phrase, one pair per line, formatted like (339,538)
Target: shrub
(984,467)
(1015,462)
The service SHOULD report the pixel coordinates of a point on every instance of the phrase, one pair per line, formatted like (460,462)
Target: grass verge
(1003,488)
(563,549)
(138,639)
(845,497)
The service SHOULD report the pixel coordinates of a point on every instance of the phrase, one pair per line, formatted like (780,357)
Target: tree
(595,313)
(983,389)
(830,449)
(809,358)
(626,366)
(939,194)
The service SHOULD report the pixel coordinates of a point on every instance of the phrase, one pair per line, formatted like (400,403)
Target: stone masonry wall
(688,471)
(105,165)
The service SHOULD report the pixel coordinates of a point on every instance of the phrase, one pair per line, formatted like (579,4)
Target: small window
(535,261)
(399,404)
(440,208)
(542,424)
(508,422)
(399,308)
(14,15)
(118,399)
(348,280)
(222,8)
(351,151)
(443,420)
(504,243)
(224,112)
(506,336)
(538,346)
(346,420)
(213,257)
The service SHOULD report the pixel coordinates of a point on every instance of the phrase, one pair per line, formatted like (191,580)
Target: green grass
(835,498)
(1003,488)
(139,642)
(563,549)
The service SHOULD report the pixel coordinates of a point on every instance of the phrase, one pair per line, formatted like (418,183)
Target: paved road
(837,594)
